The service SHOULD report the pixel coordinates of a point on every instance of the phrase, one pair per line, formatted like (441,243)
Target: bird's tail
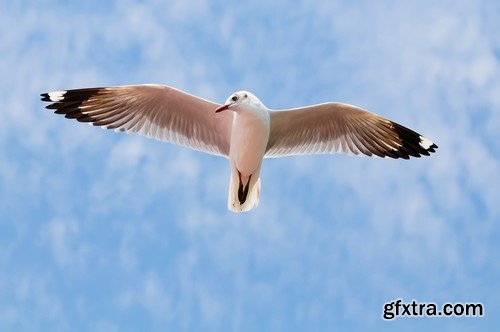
(244,191)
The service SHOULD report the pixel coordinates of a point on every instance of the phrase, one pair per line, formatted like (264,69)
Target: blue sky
(110,232)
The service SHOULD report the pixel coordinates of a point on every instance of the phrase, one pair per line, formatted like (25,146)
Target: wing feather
(337,127)
(155,111)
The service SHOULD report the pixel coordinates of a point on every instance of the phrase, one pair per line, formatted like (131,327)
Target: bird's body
(249,137)
(246,135)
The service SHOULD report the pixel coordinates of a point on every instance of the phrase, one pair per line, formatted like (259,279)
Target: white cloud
(62,236)
(151,295)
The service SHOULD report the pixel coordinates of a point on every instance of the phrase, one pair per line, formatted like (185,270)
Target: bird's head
(238,99)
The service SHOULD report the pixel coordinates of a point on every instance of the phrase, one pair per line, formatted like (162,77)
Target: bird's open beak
(221,108)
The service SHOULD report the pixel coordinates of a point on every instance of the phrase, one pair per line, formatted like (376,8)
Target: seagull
(242,129)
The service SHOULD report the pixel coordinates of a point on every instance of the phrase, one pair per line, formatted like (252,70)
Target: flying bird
(242,129)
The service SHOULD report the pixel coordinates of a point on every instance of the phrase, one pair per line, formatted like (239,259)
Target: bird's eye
(235,98)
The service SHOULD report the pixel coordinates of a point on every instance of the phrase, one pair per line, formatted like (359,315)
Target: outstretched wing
(337,127)
(155,111)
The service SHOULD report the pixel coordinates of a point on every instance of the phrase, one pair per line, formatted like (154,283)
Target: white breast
(249,136)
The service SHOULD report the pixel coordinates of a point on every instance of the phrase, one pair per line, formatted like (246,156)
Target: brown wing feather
(337,127)
(155,111)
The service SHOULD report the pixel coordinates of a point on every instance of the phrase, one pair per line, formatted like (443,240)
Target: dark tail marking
(243,190)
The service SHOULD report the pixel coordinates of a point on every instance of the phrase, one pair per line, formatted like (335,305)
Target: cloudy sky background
(111,232)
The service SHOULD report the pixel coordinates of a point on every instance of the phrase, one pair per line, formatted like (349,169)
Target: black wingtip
(412,143)
(53,106)
(69,102)
(45,97)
